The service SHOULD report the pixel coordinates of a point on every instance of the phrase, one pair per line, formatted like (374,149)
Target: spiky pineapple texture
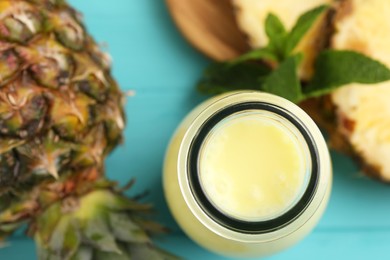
(61,113)
(59,106)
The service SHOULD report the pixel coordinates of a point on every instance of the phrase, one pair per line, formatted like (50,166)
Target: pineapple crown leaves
(252,70)
(97,222)
(104,225)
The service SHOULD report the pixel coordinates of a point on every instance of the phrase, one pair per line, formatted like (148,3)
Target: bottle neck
(235,223)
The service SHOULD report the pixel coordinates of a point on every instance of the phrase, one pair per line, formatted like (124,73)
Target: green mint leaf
(303,24)
(276,33)
(222,77)
(257,54)
(274,28)
(284,81)
(334,68)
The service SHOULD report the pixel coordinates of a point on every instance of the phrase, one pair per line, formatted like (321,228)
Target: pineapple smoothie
(252,168)
(247,174)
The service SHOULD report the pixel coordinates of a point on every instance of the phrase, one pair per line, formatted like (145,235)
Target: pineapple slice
(251,15)
(363,111)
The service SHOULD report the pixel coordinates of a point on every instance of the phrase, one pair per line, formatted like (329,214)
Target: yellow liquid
(252,167)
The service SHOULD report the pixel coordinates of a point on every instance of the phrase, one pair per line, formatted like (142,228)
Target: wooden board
(209,26)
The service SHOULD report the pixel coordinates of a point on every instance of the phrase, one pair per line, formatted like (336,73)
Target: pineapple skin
(59,106)
(251,16)
(61,113)
(362,112)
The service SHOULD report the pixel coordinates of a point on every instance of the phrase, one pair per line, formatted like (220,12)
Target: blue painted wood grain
(152,58)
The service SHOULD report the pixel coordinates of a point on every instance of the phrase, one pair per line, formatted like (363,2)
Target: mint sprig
(280,42)
(332,69)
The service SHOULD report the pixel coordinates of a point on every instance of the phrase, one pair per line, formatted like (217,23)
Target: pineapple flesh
(357,116)
(61,113)
(251,15)
(363,111)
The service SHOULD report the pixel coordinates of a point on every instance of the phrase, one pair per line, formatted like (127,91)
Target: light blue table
(151,58)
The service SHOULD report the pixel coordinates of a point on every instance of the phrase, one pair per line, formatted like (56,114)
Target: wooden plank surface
(152,58)
(210,27)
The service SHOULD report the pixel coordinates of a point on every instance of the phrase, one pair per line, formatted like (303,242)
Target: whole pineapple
(60,115)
